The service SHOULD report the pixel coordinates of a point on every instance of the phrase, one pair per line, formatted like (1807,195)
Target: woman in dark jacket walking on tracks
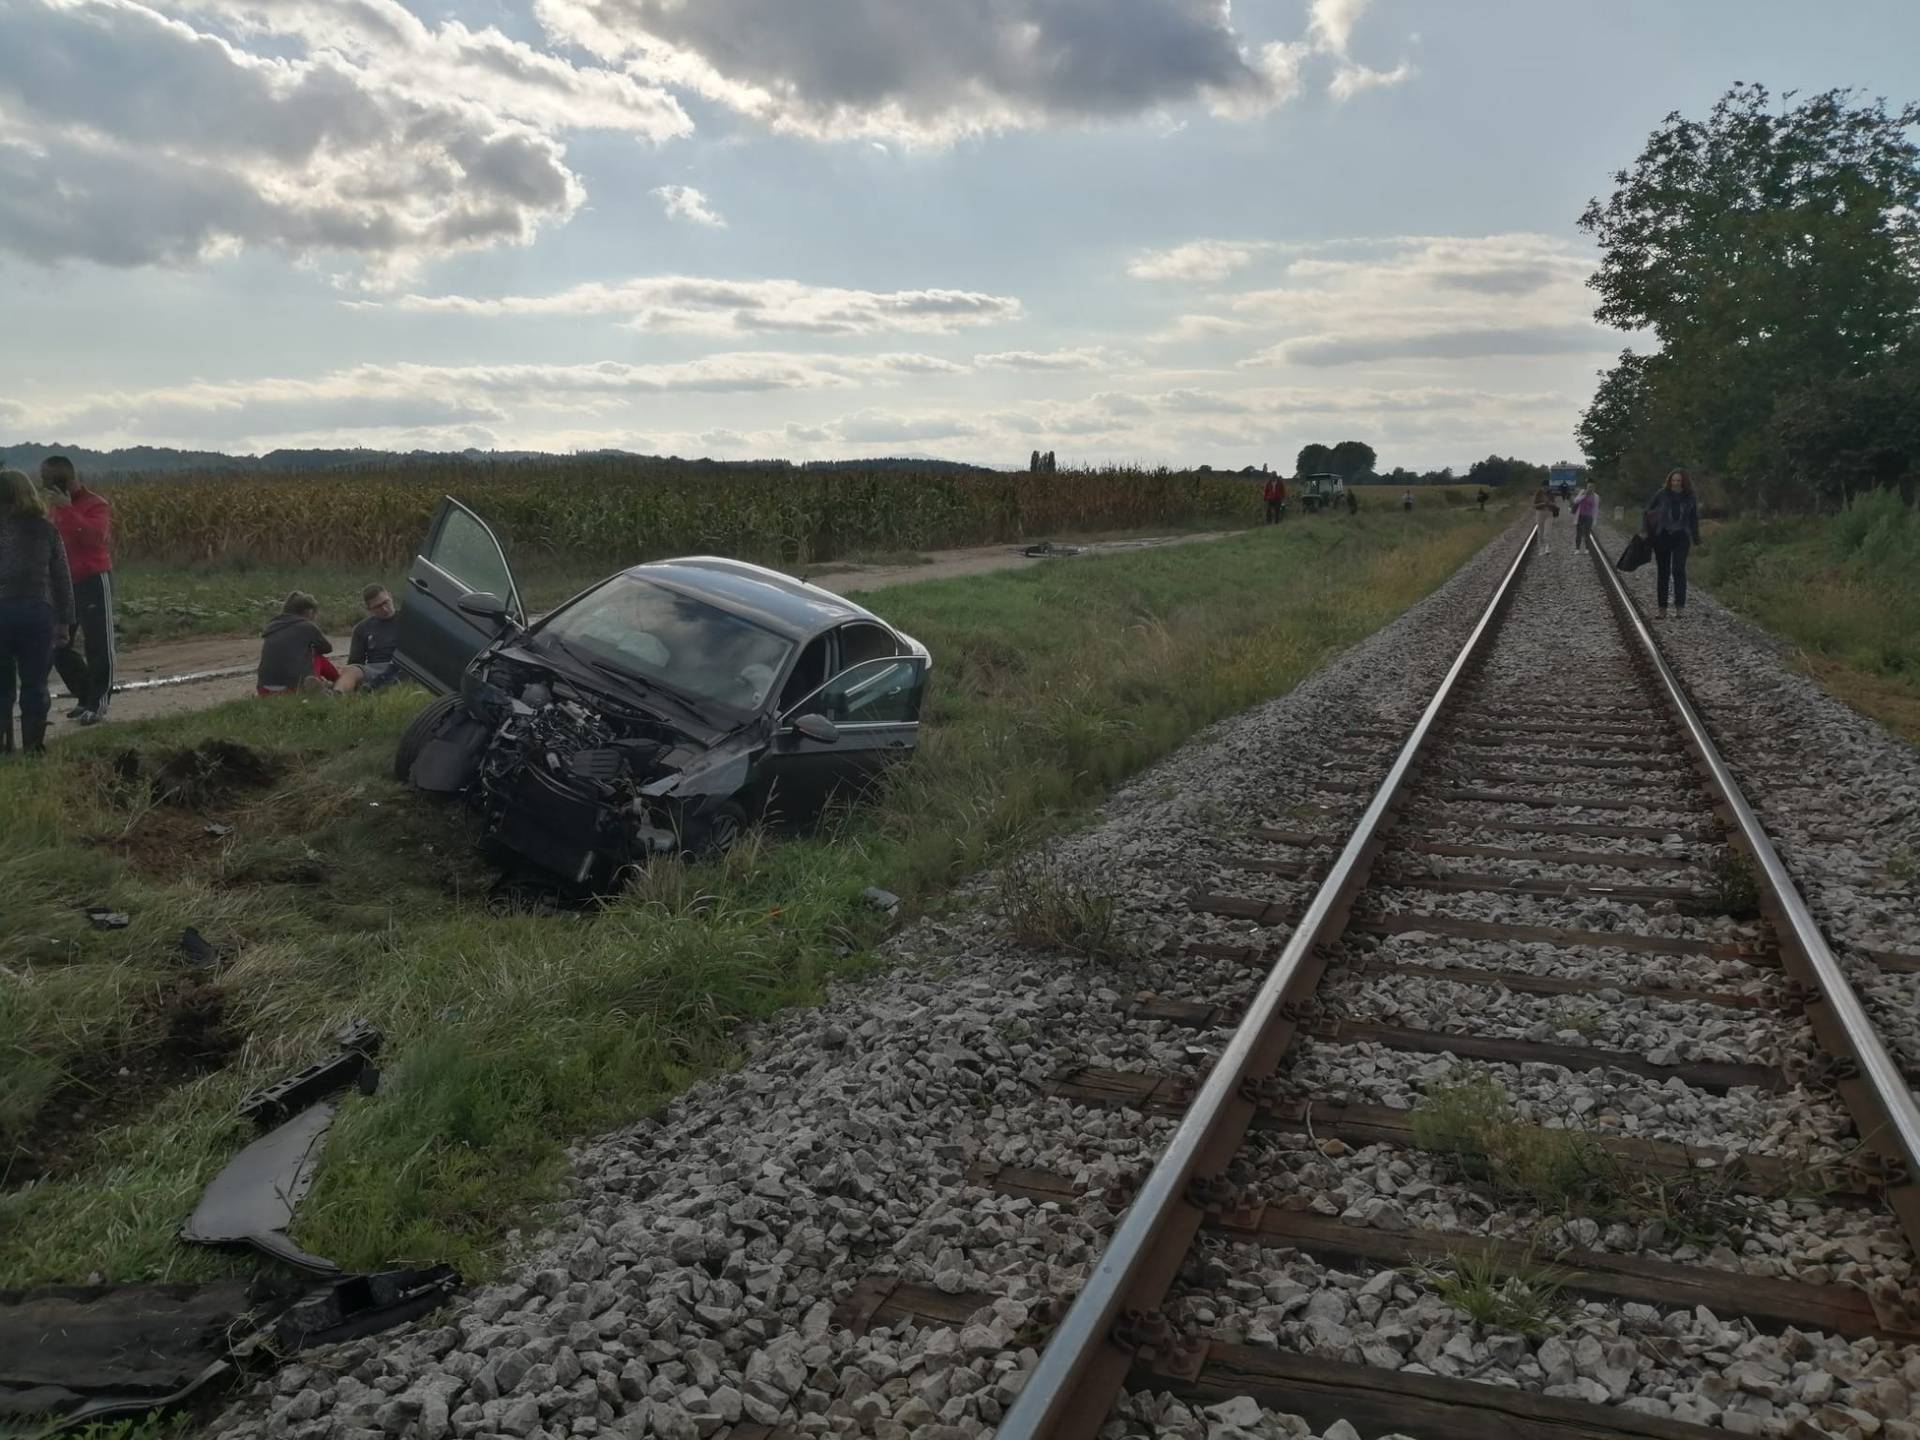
(36,608)
(1673,525)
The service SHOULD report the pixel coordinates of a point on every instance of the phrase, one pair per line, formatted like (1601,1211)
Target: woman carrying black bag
(1673,525)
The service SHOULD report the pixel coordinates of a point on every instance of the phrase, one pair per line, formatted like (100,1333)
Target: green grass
(1566,1172)
(1526,1300)
(1845,591)
(339,897)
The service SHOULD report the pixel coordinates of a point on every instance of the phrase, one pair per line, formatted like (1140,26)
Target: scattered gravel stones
(691,1280)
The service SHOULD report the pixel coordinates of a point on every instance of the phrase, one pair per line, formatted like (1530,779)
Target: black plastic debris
(359,1043)
(252,1201)
(363,1305)
(81,1353)
(103,919)
(198,950)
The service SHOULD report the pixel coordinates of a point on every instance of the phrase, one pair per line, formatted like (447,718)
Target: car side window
(864,640)
(878,692)
(465,549)
(809,673)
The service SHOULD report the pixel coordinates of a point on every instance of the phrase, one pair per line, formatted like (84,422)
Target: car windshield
(670,640)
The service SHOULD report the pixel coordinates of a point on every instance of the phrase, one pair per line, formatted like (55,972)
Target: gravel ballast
(688,1282)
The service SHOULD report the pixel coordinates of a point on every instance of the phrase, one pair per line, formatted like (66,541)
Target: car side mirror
(817,727)
(486,605)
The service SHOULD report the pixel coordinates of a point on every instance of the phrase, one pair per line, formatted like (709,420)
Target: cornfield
(623,510)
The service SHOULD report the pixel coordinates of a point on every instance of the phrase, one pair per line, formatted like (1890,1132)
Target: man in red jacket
(85,523)
(1275,494)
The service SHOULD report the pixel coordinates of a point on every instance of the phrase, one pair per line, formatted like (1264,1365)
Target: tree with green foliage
(1771,253)
(1505,470)
(1352,458)
(1313,460)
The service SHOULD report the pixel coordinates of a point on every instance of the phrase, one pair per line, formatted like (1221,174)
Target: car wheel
(716,829)
(419,731)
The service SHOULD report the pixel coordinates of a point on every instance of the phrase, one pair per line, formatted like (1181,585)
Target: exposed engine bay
(569,782)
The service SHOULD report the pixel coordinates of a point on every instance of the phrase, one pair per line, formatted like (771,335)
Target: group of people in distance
(56,599)
(1670,521)
(295,654)
(56,613)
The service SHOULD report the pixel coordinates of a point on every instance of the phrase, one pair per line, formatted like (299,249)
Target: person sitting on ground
(370,665)
(294,650)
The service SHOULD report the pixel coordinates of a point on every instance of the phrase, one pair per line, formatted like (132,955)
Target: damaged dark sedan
(661,711)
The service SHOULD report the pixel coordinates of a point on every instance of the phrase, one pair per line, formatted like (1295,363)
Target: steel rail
(1799,932)
(1051,1396)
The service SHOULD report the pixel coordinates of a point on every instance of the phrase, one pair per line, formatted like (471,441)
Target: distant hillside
(161,460)
(151,460)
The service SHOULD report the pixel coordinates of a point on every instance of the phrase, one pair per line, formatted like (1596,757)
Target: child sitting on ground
(294,650)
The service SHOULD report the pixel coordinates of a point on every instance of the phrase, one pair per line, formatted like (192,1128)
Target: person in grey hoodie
(294,650)
(1673,525)
(36,608)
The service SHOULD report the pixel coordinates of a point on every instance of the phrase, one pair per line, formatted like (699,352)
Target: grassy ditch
(335,896)
(1844,590)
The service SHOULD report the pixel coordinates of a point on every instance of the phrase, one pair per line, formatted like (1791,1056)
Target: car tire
(715,829)
(419,731)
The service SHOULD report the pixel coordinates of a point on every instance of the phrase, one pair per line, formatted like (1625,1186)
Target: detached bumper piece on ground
(78,1354)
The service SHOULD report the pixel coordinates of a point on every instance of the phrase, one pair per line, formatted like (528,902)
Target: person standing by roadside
(1275,494)
(85,521)
(36,608)
(1586,509)
(1673,525)
(1545,511)
(370,665)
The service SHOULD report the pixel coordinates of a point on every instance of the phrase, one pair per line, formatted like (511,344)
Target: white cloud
(838,69)
(1090,357)
(1428,297)
(688,303)
(1350,80)
(683,202)
(1330,32)
(1197,260)
(354,131)
(362,398)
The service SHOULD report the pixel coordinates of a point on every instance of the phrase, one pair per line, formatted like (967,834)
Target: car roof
(780,603)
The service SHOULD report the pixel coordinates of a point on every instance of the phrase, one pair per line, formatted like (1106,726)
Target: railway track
(1548,1036)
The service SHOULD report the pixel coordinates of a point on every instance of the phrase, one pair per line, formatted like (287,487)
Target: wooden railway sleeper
(1152,1338)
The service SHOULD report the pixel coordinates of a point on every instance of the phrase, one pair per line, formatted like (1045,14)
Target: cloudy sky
(1156,230)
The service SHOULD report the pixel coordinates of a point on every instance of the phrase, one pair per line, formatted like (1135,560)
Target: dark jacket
(374,640)
(33,565)
(1671,514)
(86,527)
(287,648)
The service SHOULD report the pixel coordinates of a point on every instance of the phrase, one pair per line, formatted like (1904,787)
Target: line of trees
(1774,255)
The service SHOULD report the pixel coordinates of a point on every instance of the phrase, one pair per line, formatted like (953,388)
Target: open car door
(461,557)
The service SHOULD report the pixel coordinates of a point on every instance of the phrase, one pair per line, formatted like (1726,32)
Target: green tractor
(1322,492)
